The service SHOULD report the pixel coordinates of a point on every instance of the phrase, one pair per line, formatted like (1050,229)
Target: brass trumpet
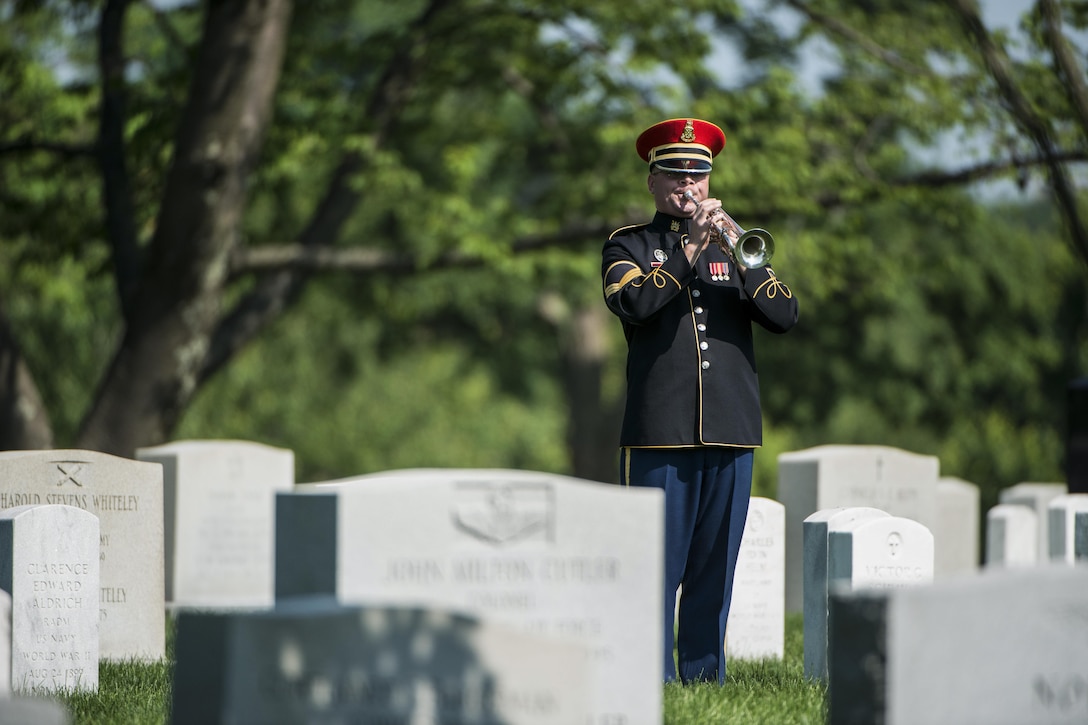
(753,248)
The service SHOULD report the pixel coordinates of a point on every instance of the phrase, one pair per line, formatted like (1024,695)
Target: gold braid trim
(659,278)
(773,287)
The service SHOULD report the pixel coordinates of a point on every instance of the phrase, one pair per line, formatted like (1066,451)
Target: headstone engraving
(956,536)
(757,614)
(516,547)
(310,661)
(1037,497)
(126,496)
(49,565)
(1061,513)
(1012,535)
(219,512)
(899,482)
(817,528)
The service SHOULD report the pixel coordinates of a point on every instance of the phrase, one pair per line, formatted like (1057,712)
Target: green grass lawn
(756,693)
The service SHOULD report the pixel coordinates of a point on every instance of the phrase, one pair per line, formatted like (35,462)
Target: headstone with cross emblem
(549,554)
(892,480)
(219,507)
(126,496)
(49,565)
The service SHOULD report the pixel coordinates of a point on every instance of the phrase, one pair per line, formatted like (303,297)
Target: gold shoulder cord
(773,287)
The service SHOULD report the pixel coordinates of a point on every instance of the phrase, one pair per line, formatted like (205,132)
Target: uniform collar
(669,223)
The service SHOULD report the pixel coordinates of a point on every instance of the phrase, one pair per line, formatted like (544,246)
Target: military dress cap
(681,144)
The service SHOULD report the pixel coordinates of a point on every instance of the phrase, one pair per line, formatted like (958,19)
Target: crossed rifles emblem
(70,470)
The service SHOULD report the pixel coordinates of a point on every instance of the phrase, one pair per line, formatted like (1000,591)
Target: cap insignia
(688,134)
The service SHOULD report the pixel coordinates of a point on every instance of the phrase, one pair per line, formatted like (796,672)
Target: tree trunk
(24,422)
(154,373)
(593,427)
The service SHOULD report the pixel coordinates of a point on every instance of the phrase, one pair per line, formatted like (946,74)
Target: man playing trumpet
(692,417)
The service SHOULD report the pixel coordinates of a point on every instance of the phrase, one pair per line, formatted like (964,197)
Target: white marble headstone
(893,480)
(1037,497)
(1006,647)
(126,496)
(49,565)
(757,613)
(1012,535)
(219,508)
(817,528)
(956,536)
(1061,530)
(549,554)
(311,661)
(886,552)
(31,710)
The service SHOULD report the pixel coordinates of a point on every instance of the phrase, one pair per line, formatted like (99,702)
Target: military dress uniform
(692,414)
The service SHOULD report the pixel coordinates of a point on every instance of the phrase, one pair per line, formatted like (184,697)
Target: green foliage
(351,395)
(950,339)
(929,320)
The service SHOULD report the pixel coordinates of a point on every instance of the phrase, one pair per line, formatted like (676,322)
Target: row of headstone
(191,525)
(125,497)
(1026,531)
(900,483)
(515,548)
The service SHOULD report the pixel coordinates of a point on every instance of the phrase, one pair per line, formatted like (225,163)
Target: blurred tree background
(370,231)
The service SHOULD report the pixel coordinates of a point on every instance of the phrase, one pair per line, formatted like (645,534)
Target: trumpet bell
(754,248)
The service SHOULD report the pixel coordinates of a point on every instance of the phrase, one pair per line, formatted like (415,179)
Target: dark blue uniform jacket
(691,369)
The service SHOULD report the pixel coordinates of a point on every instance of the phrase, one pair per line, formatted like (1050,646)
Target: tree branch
(27,144)
(989,169)
(997,64)
(361,260)
(275,293)
(837,27)
(1065,61)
